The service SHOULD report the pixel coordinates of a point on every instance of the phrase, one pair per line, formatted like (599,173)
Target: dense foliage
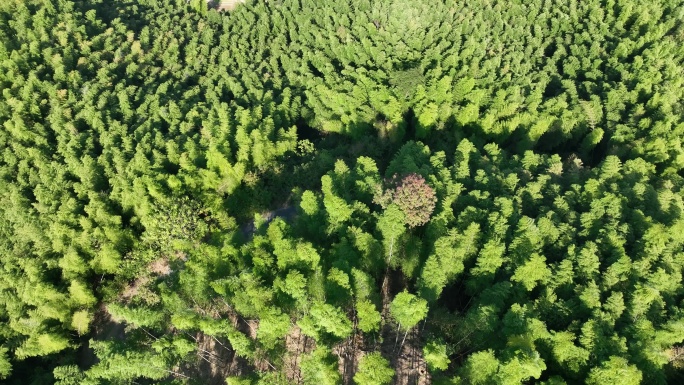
(494,186)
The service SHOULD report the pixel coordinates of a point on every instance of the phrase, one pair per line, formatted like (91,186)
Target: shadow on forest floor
(272,189)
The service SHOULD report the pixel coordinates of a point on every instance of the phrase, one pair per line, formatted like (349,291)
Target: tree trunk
(404,340)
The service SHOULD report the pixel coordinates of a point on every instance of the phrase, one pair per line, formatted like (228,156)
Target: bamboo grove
(494,186)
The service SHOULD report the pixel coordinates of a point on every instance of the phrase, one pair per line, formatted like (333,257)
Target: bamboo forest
(319,192)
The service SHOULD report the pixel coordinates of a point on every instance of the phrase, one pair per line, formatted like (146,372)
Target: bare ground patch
(297,345)
(216,361)
(404,350)
(224,5)
(407,359)
(349,352)
(103,327)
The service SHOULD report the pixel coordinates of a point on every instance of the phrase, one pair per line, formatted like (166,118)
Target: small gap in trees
(554,88)
(550,49)
(454,298)
(410,121)
(315,70)
(305,131)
